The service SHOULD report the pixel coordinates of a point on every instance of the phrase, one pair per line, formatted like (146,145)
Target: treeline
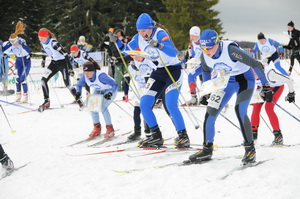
(69,19)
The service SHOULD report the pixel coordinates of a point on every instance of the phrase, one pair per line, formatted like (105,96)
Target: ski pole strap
(286,111)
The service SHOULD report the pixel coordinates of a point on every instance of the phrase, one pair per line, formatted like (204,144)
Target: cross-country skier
(103,85)
(60,62)
(154,39)
(269,52)
(226,57)
(294,44)
(140,70)
(6,162)
(276,80)
(79,57)
(19,48)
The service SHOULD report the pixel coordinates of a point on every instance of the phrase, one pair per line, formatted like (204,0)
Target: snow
(41,139)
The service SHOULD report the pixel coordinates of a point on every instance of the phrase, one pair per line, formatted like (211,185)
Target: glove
(71,72)
(112,37)
(266,93)
(290,97)
(153,43)
(204,99)
(108,95)
(281,54)
(77,96)
(43,63)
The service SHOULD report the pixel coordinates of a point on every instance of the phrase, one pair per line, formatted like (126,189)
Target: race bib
(94,103)
(149,84)
(216,99)
(256,97)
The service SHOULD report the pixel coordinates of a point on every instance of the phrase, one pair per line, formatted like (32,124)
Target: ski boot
(136,135)
(155,140)
(7,164)
(25,97)
(18,96)
(110,132)
(193,101)
(96,131)
(45,105)
(125,98)
(255,135)
(203,155)
(278,140)
(250,153)
(182,141)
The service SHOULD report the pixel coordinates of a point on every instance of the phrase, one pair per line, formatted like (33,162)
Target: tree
(181,15)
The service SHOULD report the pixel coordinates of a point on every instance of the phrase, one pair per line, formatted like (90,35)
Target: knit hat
(208,39)
(291,24)
(74,48)
(261,36)
(43,33)
(144,22)
(88,66)
(81,38)
(195,30)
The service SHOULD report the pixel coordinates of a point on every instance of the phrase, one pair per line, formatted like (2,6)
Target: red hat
(74,48)
(43,33)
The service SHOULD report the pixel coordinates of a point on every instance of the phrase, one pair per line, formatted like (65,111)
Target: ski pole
(296,105)
(292,67)
(266,123)
(18,105)
(286,111)
(122,109)
(13,131)
(230,121)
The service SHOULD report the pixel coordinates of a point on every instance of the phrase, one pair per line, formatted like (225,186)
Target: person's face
(145,32)
(43,39)
(89,74)
(290,28)
(262,41)
(15,43)
(194,37)
(75,53)
(210,51)
(138,58)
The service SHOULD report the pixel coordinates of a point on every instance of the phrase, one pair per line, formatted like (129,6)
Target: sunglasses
(207,48)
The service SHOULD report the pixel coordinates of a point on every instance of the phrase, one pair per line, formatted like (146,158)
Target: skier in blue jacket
(227,58)
(155,40)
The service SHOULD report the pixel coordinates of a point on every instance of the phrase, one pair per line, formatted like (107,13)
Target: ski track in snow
(41,138)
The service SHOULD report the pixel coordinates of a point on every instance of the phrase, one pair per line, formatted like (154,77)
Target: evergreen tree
(181,15)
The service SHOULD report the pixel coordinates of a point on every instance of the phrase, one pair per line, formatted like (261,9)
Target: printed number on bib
(94,103)
(149,84)
(216,99)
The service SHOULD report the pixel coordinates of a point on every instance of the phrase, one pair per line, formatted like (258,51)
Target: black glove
(266,93)
(71,72)
(43,63)
(204,99)
(153,43)
(108,96)
(134,67)
(112,37)
(290,97)
(77,96)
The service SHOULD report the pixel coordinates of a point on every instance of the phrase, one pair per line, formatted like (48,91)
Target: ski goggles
(206,48)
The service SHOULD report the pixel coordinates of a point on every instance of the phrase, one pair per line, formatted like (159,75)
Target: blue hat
(144,22)
(208,38)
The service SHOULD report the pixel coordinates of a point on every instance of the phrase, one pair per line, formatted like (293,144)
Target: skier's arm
(105,79)
(237,54)
(57,46)
(80,84)
(277,44)
(277,77)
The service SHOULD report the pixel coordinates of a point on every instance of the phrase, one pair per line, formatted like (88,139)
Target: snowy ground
(41,139)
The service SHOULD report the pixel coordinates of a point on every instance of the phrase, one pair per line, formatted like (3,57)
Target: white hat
(195,30)
(81,38)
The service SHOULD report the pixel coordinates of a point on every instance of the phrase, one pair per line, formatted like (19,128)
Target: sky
(243,19)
